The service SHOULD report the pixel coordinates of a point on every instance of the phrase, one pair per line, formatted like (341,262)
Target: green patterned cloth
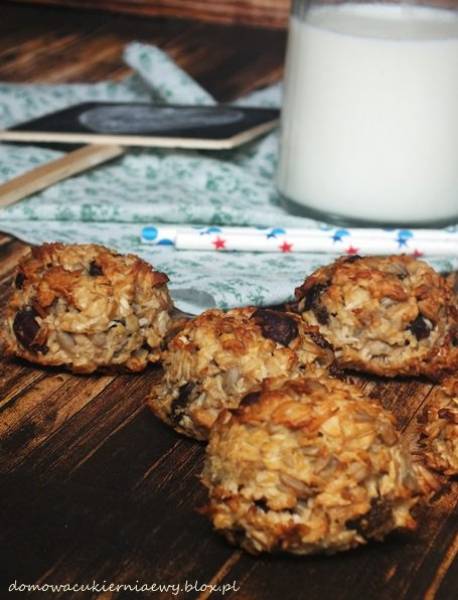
(112,203)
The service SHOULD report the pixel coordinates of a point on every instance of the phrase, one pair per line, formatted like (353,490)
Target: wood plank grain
(10,255)
(401,396)
(264,13)
(5,239)
(108,530)
(98,418)
(48,46)
(444,583)
(41,411)
(15,379)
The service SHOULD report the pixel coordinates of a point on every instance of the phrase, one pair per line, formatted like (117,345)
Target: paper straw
(362,245)
(418,242)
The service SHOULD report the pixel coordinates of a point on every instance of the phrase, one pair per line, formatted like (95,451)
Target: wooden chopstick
(46,175)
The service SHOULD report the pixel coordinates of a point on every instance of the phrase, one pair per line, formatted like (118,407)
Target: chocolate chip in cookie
(25,326)
(419,327)
(276,326)
(95,270)
(180,402)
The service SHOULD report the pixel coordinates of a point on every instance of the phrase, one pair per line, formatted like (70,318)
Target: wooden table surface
(93,487)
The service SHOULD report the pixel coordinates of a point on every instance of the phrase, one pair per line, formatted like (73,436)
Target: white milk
(370,115)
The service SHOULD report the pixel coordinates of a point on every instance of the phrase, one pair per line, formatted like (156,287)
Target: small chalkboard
(140,124)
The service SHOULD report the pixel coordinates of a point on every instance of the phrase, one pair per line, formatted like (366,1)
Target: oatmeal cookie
(85,307)
(220,356)
(308,465)
(389,316)
(438,428)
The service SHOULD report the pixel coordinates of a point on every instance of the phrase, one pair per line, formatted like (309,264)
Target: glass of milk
(369,129)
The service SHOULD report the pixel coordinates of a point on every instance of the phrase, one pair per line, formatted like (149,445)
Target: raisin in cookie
(220,356)
(438,426)
(85,307)
(308,465)
(389,316)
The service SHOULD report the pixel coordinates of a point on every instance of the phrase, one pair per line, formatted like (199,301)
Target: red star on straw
(416,253)
(285,247)
(219,243)
(351,250)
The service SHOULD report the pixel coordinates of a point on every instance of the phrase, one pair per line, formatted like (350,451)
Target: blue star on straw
(403,237)
(274,232)
(339,234)
(209,230)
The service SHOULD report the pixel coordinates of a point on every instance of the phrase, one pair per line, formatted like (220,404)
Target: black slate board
(142,124)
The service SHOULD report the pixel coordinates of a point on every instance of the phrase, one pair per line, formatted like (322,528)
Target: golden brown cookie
(308,465)
(219,356)
(438,428)
(385,315)
(85,307)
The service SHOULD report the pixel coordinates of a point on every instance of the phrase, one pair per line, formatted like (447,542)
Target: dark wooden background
(265,13)
(93,487)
